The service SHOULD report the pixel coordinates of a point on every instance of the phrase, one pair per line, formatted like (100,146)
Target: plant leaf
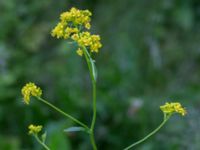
(94,70)
(74,129)
(92,63)
(44,135)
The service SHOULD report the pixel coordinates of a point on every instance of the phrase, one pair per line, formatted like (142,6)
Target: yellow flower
(87,25)
(75,37)
(170,108)
(30,89)
(58,31)
(33,129)
(70,31)
(79,52)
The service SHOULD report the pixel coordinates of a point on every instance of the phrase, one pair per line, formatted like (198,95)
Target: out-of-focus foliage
(150,54)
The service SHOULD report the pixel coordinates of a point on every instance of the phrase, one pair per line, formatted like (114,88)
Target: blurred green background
(150,54)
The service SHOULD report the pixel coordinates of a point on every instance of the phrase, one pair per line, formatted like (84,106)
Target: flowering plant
(74,25)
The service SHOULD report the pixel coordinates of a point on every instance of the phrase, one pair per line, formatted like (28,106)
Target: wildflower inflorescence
(71,26)
(30,89)
(170,108)
(34,129)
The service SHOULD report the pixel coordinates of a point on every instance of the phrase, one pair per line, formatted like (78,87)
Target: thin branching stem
(63,113)
(150,134)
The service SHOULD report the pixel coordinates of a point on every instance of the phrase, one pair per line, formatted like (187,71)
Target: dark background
(150,55)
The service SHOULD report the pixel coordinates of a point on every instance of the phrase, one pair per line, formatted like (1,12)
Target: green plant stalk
(150,134)
(93,118)
(92,139)
(63,113)
(42,143)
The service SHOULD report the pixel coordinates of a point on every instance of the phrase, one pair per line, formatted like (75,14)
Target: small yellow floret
(170,108)
(79,52)
(30,89)
(87,26)
(33,129)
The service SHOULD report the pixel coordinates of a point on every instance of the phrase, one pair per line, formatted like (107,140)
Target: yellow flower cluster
(70,21)
(33,129)
(30,89)
(85,39)
(58,31)
(77,17)
(70,27)
(170,108)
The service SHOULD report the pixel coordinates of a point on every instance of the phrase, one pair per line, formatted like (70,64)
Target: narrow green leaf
(44,135)
(92,63)
(94,70)
(74,129)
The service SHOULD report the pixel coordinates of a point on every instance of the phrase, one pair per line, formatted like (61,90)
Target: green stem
(93,118)
(89,63)
(42,143)
(63,113)
(149,135)
(93,141)
(94,107)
